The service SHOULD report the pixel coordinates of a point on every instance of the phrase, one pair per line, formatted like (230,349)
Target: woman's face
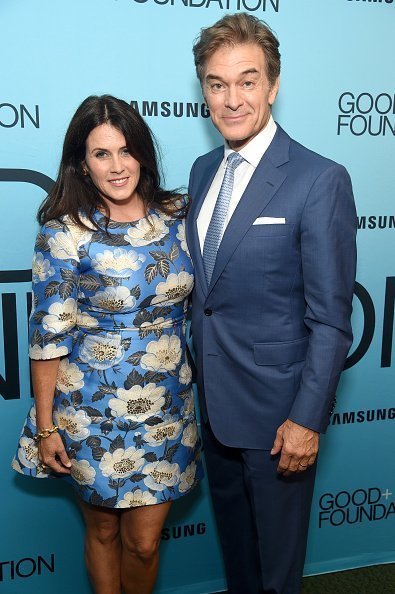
(111,167)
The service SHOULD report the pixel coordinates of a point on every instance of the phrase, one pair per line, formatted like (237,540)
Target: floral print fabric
(113,307)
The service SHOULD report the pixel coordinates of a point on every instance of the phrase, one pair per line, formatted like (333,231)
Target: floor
(378,579)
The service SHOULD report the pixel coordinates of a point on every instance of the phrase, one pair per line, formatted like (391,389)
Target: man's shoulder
(301,156)
(306,154)
(208,158)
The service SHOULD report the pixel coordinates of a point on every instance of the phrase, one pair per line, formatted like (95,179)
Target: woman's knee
(104,530)
(144,549)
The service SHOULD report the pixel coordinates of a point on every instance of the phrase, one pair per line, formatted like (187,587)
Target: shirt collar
(254,150)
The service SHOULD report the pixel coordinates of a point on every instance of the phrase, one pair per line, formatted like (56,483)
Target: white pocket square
(269,221)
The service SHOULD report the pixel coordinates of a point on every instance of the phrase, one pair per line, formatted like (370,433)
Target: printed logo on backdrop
(234,5)
(185,531)
(377,222)
(373,1)
(363,416)
(11,308)
(20,116)
(360,506)
(167,109)
(366,114)
(26,567)
(370,325)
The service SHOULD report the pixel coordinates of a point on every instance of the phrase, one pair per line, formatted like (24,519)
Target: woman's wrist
(43,423)
(45,433)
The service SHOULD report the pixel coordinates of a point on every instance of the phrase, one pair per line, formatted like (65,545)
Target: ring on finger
(41,467)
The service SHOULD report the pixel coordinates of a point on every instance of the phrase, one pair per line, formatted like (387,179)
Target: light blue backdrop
(54,54)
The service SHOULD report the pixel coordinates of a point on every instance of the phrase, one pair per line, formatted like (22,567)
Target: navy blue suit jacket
(272,331)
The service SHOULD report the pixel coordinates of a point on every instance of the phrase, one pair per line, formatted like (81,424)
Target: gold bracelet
(45,433)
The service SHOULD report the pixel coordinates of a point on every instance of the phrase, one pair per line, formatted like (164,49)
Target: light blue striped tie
(214,231)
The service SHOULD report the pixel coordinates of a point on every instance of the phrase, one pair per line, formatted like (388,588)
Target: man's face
(237,92)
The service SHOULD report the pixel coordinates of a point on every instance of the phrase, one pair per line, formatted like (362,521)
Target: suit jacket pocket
(271,230)
(280,353)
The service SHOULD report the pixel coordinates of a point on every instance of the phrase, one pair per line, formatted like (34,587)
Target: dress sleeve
(55,276)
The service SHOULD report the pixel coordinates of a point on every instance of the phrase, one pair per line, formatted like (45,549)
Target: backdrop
(337,97)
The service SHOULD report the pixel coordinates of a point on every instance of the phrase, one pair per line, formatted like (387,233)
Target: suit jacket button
(208,312)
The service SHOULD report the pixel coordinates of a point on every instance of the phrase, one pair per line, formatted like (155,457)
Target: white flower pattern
(147,231)
(122,463)
(49,351)
(28,452)
(119,262)
(182,238)
(190,436)
(70,377)
(159,324)
(41,268)
(188,408)
(74,422)
(161,474)
(102,352)
(63,247)
(61,316)
(187,478)
(137,498)
(84,320)
(79,235)
(176,288)
(113,299)
(112,307)
(170,428)
(163,354)
(138,403)
(83,472)
(185,374)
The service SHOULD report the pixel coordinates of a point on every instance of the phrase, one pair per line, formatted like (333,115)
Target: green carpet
(378,579)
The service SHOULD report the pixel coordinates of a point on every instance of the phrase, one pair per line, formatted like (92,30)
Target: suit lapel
(198,195)
(263,185)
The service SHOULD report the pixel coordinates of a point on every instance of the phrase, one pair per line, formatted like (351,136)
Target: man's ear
(274,90)
(203,94)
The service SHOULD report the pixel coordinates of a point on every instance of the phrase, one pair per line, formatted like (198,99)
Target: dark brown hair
(235,29)
(74,194)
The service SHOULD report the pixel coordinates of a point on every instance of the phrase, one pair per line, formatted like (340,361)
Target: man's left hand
(298,446)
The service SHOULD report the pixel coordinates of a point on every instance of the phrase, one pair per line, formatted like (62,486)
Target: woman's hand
(51,450)
(52,454)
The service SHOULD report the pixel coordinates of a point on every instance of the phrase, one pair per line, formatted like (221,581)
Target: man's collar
(255,149)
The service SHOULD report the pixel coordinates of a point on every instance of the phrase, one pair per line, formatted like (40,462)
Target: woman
(113,409)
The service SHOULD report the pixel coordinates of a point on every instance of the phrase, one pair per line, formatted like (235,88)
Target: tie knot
(234,160)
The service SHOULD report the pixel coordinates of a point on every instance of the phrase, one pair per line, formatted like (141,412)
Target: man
(271,232)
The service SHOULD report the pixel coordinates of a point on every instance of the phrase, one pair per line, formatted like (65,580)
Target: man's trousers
(262,517)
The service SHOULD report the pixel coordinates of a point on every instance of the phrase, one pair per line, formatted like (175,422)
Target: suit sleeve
(328,248)
(189,313)
(191,180)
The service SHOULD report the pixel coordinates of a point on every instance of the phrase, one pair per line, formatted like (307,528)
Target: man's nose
(233,98)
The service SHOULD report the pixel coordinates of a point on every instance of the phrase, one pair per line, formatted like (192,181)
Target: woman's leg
(103,548)
(141,533)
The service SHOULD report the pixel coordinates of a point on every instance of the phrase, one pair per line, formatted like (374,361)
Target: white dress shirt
(252,153)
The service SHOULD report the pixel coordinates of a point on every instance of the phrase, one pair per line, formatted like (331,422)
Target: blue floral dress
(113,307)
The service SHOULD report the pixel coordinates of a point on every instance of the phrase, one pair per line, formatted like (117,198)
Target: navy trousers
(262,517)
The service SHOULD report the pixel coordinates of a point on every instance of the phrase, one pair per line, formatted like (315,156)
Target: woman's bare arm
(51,449)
